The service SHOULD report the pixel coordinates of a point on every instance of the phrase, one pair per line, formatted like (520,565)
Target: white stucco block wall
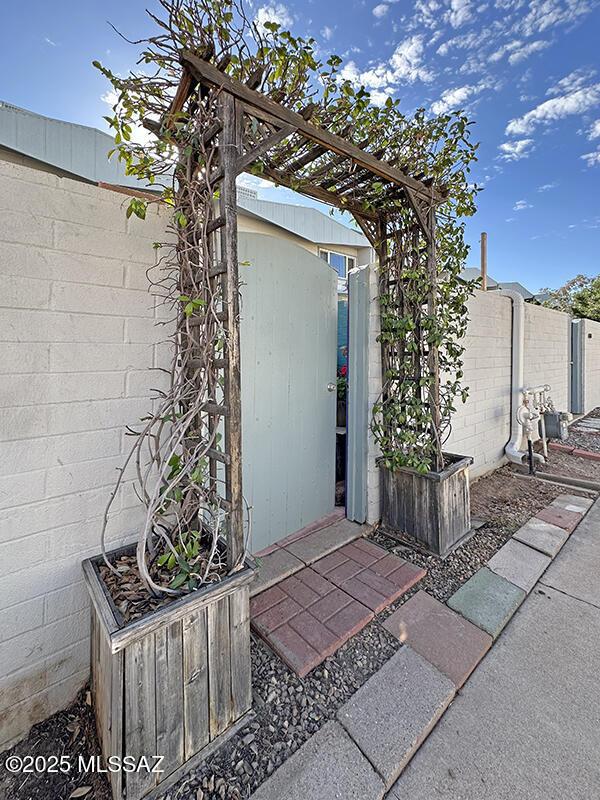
(591,364)
(481,426)
(547,356)
(77,333)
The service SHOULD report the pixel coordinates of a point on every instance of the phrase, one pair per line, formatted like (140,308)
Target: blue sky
(527,72)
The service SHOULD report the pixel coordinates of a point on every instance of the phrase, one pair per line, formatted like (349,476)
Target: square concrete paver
(391,715)
(318,544)
(448,641)
(519,564)
(274,567)
(368,573)
(329,766)
(572,502)
(305,618)
(568,520)
(542,536)
(487,600)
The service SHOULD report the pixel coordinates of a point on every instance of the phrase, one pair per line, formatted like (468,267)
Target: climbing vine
(168,134)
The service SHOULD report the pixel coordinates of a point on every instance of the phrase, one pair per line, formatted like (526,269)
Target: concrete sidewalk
(526,726)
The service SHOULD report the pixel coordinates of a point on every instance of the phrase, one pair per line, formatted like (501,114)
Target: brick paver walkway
(309,615)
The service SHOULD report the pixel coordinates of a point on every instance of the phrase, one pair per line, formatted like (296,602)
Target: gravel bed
(288,709)
(571,466)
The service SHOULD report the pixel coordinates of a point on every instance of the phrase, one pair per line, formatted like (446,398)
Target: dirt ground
(70,733)
(506,499)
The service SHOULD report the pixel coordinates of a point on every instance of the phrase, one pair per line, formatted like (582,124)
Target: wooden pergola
(250,127)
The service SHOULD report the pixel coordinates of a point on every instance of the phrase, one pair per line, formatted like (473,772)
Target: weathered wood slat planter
(435,508)
(175,683)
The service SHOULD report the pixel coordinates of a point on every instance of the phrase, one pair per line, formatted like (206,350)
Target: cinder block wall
(77,331)
(548,352)
(481,426)
(591,365)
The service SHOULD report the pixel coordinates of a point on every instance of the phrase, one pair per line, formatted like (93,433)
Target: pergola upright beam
(229,154)
(433,355)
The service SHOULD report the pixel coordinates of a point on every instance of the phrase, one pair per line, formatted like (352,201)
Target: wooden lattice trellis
(237,127)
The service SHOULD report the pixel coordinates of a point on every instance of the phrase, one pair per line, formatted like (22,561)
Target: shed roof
(310,223)
(73,148)
(472,273)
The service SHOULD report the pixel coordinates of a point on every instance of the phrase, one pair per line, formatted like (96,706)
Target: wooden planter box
(435,508)
(175,683)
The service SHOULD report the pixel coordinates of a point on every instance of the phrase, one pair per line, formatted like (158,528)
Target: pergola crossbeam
(204,72)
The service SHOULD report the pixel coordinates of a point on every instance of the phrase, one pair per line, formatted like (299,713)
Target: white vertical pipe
(511,449)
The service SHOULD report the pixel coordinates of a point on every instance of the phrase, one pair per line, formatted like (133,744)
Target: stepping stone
(369,573)
(568,520)
(519,564)
(315,545)
(392,714)
(572,502)
(329,766)
(542,536)
(448,641)
(274,567)
(487,600)
(305,618)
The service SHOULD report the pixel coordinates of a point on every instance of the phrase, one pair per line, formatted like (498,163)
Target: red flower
(343,371)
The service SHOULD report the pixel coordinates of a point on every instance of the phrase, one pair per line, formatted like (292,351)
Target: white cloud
(253,182)
(380,96)
(521,205)
(518,51)
(571,82)
(546,14)
(380,10)
(546,187)
(404,66)
(427,13)
(327,33)
(407,61)
(566,105)
(463,42)
(515,151)
(453,99)
(460,96)
(276,12)
(592,159)
(524,52)
(461,11)
(594,130)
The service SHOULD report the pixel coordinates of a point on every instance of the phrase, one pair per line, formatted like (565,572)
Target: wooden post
(484,261)
(433,356)
(229,151)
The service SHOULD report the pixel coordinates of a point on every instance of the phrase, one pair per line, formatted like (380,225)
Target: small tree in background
(586,302)
(580,297)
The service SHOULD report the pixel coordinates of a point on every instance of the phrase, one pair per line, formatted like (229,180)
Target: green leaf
(178,580)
